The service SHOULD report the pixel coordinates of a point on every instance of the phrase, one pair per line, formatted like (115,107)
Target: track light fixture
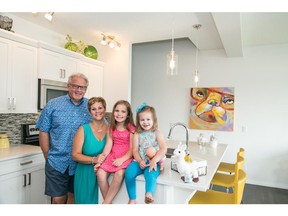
(49,16)
(110,41)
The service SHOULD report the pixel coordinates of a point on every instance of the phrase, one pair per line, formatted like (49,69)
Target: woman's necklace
(99,129)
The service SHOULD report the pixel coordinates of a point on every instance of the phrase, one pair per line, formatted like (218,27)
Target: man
(58,123)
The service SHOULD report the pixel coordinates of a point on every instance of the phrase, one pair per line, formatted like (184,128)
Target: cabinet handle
(25,183)
(61,73)
(29,180)
(13,103)
(9,103)
(25,163)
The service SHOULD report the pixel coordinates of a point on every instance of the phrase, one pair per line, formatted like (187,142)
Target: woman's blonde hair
(151,109)
(93,100)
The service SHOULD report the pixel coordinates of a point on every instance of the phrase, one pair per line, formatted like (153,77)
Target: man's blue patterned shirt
(61,119)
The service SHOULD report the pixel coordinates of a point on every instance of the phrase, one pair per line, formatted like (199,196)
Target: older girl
(117,153)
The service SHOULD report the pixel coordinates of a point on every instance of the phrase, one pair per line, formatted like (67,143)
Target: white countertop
(16,151)
(168,177)
(197,152)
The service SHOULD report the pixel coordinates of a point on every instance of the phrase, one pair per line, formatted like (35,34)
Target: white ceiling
(229,30)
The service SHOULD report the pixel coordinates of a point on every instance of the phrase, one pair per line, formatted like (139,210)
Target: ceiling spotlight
(104,40)
(118,46)
(49,16)
(111,44)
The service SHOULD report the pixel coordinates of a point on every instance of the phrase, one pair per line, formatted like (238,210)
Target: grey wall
(150,83)
(260,82)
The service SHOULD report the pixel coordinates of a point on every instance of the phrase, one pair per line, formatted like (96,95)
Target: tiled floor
(255,194)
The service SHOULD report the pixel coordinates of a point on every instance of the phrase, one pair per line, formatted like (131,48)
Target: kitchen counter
(170,187)
(213,156)
(16,151)
(22,175)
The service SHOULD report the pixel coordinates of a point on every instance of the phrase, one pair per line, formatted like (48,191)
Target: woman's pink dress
(121,145)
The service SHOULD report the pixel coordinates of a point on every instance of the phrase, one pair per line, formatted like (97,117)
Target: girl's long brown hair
(129,119)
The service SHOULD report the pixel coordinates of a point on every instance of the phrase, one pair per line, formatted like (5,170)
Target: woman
(88,144)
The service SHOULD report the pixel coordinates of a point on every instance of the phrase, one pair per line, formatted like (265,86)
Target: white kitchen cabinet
(22,180)
(94,73)
(56,63)
(18,70)
(55,66)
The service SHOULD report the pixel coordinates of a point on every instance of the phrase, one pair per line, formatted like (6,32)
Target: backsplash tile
(10,123)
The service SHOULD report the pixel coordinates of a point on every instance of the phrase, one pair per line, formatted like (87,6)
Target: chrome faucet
(187,134)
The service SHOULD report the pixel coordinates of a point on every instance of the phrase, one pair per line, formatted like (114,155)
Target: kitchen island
(170,187)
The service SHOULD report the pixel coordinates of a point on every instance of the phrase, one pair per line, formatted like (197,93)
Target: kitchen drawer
(21,163)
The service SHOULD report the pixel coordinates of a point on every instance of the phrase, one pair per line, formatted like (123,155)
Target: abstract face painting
(212,109)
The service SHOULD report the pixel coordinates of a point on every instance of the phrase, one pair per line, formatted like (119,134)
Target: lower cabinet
(25,183)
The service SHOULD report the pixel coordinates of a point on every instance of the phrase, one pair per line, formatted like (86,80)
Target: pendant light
(196,73)
(172,60)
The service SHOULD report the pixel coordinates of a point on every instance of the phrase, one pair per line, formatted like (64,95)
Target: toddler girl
(146,136)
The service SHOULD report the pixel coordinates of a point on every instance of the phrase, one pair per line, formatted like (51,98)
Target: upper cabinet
(56,63)
(18,70)
(94,73)
(55,66)
(20,60)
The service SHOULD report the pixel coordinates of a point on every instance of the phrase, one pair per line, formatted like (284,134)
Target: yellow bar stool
(218,197)
(230,167)
(225,180)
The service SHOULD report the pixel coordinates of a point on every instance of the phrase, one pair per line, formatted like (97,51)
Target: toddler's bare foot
(148,198)
(132,202)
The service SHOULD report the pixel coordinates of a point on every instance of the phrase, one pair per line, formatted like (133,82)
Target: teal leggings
(132,171)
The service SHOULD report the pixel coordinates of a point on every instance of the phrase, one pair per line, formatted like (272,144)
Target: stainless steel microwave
(49,89)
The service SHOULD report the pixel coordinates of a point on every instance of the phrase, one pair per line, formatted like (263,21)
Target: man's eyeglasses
(75,87)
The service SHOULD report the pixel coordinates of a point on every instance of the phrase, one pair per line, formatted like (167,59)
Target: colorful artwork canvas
(212,109)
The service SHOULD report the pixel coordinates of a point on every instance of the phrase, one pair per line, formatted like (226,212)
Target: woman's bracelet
(93,160)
